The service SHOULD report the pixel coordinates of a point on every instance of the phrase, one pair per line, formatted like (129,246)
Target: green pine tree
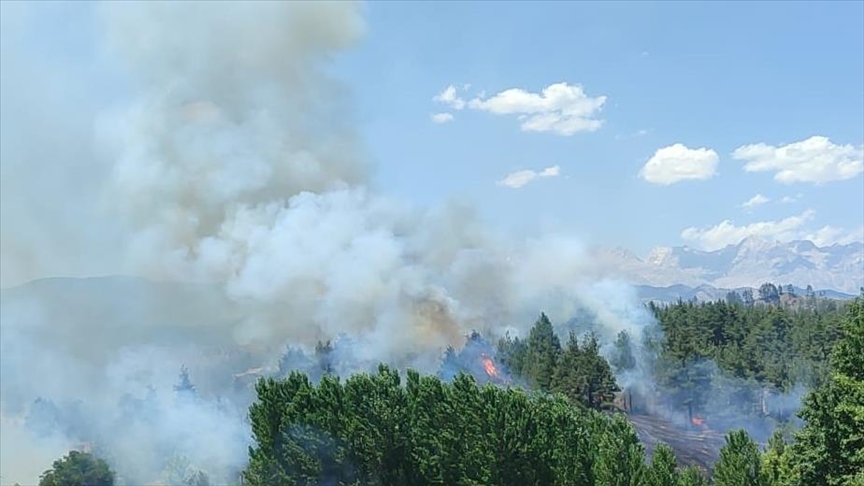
(740,463)
(829,450)
(541,356)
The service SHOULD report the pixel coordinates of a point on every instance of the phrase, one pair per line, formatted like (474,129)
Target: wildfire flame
(489,366)
(698,421)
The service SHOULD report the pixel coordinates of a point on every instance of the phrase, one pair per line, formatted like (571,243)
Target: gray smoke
(224,159)
(220,159)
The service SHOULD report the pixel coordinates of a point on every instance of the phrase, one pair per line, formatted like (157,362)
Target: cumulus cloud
(756,200)
(441,118)
(727,233)
(517,179)
(789,199)
(560,108)
(831,235)
(450,97)
(677,163)
(816,160)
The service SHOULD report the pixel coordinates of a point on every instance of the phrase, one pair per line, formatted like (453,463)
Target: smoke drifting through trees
(234,165)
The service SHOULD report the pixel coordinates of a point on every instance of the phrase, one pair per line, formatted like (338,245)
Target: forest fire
(698,421)
(700,448)
(489,366)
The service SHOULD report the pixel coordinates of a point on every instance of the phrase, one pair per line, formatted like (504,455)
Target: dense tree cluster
(373,429)
(577,370)
(744,353)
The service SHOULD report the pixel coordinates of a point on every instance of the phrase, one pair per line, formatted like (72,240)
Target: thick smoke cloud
(226,163)
(49,176)
(225,160)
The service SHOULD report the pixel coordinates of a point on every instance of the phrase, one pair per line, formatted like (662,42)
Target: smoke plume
(225,162)
(220,162)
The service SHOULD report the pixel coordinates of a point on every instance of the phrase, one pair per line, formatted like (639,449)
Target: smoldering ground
(220,161)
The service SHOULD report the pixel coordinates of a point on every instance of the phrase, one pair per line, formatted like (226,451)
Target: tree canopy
(78,469)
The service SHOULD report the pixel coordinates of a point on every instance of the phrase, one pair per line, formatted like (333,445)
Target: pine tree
(449,367)
(511,353)
(740,463)
(600,382)
(691,476)
(570,378)
(324,358)
(623,359)
(769,293)
(734,298)
(542,354)
(78,469)
(829,450)
(747,297)
(775,460)
(184,388)
(662,471)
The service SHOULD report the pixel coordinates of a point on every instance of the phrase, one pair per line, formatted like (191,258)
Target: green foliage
(541,356)
(583,375)
(744,350)
(578,371)
(662,471)
(775,460)
(620,460)
(740,463)
(830,448)
(691,476)
(623,359)
(78,469)
(373,430)
(512,353)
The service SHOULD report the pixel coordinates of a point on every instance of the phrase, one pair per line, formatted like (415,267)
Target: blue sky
(705,75)
(712,76)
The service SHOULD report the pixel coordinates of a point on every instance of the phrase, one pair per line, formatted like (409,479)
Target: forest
(539,411)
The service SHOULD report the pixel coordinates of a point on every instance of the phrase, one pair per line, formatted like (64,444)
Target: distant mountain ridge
(707,293)
(750,263)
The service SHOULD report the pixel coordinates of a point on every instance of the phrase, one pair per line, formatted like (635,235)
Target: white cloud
(816,160)
(830,235)
(790,199)
(441,118)
(677,163)
(450,98)
(560,108)
(756,200)
(727,233)
(520,178)
(638,133)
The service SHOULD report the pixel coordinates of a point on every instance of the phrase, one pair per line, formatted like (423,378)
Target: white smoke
(233,163)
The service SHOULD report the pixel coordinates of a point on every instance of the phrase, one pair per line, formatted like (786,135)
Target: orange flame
(489,366)
(697,420)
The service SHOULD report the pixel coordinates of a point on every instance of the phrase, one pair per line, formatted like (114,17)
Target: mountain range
(750,263)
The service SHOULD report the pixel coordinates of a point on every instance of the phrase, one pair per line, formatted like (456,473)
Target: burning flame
(698,421)
(489,366)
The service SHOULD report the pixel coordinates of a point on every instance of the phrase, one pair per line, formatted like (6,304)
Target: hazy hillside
(707,293)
